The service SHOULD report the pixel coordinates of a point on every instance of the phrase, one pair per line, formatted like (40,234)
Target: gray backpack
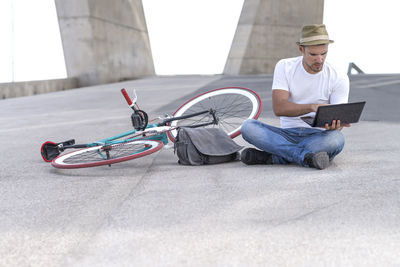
(199,146)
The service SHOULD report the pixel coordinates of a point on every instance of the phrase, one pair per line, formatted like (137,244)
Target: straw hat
(314,34)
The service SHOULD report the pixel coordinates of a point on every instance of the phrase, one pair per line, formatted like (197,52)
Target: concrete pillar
(267,31)
(104,41)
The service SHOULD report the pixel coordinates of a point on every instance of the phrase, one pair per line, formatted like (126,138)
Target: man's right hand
(316,106)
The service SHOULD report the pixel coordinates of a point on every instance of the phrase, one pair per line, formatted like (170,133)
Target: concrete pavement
(154,212)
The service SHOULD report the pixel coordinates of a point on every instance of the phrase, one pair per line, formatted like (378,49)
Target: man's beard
(316,67)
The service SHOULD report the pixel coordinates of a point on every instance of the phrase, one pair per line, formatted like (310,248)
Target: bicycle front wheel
(232,106)
(107,154)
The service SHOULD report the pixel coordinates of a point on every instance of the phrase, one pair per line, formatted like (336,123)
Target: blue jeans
(291,144)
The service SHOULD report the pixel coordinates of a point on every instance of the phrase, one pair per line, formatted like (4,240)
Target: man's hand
(336,125)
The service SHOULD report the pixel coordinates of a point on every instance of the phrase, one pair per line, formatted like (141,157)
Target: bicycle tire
(232,106)
(94,156)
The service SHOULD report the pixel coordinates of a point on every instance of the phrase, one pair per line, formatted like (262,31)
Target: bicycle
(225,108)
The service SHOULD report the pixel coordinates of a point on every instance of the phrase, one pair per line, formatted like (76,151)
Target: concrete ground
(154,212)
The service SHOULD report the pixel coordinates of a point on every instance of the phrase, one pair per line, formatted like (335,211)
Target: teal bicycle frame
(50,150)
(114,139)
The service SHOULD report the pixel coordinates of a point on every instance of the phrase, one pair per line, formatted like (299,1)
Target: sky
(198,36)
(31,47)
(365,32)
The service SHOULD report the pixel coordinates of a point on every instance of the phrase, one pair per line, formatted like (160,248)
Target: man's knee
(335,140)
(247,128)
(253,130)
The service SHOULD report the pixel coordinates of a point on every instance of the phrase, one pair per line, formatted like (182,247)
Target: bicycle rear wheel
(107,154)
(232,106)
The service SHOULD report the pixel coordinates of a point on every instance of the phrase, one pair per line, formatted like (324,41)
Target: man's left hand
(336,125)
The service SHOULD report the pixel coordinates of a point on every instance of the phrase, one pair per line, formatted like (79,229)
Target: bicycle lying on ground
(225,108)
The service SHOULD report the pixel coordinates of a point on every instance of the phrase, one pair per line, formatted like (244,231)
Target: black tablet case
(346,113)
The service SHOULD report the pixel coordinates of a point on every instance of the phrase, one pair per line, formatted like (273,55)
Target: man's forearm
(288,109)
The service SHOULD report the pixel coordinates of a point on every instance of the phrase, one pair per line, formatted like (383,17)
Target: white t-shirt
(325,87)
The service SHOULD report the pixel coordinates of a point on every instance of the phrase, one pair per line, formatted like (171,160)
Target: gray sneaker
(252,156)
(319,160)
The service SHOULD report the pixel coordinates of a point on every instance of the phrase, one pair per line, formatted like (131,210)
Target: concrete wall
(104,41)
(16,89)
(267,31)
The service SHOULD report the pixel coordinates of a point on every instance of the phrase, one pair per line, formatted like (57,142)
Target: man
(300,86)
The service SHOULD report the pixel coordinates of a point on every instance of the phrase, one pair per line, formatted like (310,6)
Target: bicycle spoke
(115,151)
(107,154)
(232,106)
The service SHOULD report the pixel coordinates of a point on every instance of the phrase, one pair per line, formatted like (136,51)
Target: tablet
(346,113)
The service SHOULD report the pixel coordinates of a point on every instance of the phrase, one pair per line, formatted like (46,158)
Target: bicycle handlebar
(127,98)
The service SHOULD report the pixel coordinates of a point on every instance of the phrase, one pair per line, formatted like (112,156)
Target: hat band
(314,38)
